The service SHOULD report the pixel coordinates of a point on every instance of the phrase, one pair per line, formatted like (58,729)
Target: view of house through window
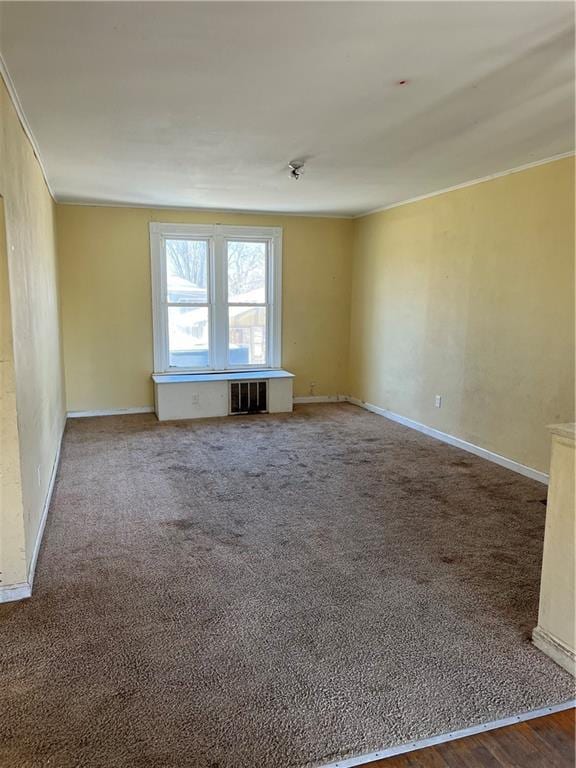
(217,300)
(188,304)
(246,266)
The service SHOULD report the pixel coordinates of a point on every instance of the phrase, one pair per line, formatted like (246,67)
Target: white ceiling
(204,104)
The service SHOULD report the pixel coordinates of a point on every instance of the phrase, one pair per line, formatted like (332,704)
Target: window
(216,297)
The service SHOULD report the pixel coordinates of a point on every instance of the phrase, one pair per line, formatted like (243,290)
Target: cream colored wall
(32,271)
(470,295)
(13,564)
(106,300)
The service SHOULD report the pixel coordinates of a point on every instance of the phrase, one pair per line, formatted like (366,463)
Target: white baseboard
(12,592)
(110,412)
(320,399)
(443,738)
(515,466)
(554,648)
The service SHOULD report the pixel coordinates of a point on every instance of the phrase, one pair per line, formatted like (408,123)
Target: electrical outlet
(438,401)
(195,398)
(312,387)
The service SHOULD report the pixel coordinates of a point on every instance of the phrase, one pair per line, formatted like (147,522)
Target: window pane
(247,335)
(188,335)
(187,271)
(246,272)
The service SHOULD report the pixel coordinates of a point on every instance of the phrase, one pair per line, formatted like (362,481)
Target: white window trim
(216,234)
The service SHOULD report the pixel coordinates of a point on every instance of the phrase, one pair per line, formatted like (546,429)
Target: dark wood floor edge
(431,741)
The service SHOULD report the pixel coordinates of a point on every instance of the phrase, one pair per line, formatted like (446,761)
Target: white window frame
(217,235)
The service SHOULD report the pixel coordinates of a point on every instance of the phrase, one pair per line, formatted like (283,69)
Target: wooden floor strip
(373,758)
(544,742)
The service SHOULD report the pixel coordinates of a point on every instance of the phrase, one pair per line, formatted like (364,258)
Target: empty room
(287,391)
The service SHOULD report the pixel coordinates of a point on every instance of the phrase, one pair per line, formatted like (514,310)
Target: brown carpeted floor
(269,592)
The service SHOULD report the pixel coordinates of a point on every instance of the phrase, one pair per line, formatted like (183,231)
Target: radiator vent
(248,396)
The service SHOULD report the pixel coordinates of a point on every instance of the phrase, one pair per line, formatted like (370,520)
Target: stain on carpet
(270,591)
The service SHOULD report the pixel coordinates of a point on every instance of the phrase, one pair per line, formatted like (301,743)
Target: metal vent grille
(248,396)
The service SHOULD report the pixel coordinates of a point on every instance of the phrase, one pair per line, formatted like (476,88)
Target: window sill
(182,378)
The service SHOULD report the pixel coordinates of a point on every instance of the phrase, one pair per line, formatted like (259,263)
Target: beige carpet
(270,592)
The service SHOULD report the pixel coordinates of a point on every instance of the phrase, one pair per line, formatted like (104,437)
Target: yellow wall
(106,300)
(470,295)
(12,538)
(34,319)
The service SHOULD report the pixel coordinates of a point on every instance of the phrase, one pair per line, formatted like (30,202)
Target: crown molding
(470,183)
(193,209)
(11,88)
